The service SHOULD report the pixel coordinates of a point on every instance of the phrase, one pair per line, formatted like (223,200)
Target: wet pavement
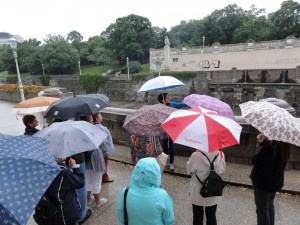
(237,207)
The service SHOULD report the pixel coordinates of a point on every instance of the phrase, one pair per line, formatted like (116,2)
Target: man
(31,123)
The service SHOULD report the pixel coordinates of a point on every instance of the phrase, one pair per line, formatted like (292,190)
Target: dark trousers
(168,147)
(265,210)
(210,214)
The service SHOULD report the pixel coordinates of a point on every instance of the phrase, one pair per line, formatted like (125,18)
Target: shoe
(108,181)
(172,167)
(87,216)
(91,201)
(101,203)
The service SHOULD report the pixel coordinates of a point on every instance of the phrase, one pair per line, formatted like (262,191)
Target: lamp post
(127,59)
(203,39)
(43,69)
(13,44)
(79,67)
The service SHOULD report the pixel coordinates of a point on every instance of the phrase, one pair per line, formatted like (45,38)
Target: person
(167,142)
(63,190)
(267,176)
(198,164)
(95,167)
(31,123)
(107,145)
(146,202)
(142,147)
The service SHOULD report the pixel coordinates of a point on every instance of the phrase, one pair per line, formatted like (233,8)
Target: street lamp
(13,44)
(43,69)
(203,39)
(79,67)
(127,59)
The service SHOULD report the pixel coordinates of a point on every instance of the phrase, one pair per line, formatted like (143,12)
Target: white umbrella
(161,83)
(71,137)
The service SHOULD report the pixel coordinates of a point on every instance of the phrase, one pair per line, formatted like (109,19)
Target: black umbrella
(81,104)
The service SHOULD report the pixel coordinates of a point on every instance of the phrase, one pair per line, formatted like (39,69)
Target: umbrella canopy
(72,106)
(202,129)
(33,105)
(280,103)
(161,83)
(210,103)
(274,122)
(147,120)
(27,170)
(71,137)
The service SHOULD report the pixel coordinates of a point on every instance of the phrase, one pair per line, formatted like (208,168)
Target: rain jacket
(147,203)
(198,162)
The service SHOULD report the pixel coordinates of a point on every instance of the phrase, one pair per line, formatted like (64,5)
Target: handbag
(162,159)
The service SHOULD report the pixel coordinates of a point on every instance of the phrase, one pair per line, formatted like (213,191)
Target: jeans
(82,194)
(210,214)
(265,210)
(168,147)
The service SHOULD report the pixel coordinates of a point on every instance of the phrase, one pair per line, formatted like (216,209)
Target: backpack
(213,184)
(48,213)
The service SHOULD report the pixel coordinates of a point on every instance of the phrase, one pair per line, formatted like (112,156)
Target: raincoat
(147,203)
(198,162)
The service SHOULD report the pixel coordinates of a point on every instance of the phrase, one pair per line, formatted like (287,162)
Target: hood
(146,173)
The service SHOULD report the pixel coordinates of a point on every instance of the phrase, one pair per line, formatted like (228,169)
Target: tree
(54,37)
(130,36)
(75,38)
(286,20)
(159,38)
(59,57)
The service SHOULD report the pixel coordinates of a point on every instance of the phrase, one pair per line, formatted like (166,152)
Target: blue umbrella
(3,136)
(26,170)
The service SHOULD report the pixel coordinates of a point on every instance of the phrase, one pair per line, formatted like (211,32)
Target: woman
(268,177)
(199,164)
(146,202)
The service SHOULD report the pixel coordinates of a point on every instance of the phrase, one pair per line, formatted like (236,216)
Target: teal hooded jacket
(147,203)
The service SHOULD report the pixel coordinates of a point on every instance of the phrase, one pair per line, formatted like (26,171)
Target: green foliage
(12,79)
(45,80)
(91,83)
(134,67)
(145,68)
(139,76)
(59,57)
(96,70)
(4,73)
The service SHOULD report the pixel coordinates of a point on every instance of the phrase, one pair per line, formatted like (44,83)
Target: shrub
(27,88)
(12,79)
(91,83)
(134,67)
(45,80)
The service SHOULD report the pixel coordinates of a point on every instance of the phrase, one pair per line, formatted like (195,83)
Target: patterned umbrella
(161,83)
(147,120)
(27,170)
(274,122)
(202,129)
(71,137)
(210,103)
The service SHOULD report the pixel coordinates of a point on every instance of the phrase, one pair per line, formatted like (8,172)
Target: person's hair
(95,116)
(83,118)
(161,97)
(28,119)
(282,151)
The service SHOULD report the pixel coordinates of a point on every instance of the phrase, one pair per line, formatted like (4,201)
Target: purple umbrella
(210,103)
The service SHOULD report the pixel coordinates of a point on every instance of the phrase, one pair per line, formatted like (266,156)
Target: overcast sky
(37,18)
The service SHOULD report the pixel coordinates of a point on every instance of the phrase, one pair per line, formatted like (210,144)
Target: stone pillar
(297,77)
(233,75)
(167,54)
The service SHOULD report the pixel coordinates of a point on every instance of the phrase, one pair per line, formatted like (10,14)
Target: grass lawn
(145,68)
(3,73)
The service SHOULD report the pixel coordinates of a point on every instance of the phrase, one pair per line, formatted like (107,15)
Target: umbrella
(71,137)
(161,83)
(280,103)
(210,103)
(274,122)
(34,105)
(72,106)
(202,129)
(27,170)
(147,120)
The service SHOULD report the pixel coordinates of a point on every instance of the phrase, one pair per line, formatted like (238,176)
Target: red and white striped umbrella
(202,129)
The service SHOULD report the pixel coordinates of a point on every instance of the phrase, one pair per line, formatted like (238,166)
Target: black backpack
(213,184)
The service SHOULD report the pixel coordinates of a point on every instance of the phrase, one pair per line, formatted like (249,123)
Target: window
(175,59)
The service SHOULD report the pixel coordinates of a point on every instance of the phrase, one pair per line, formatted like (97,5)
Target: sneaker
(101,203)
(91,201)
(87,216)
(172,167)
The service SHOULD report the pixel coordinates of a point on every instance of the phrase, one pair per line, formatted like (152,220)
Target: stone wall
(15,96)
